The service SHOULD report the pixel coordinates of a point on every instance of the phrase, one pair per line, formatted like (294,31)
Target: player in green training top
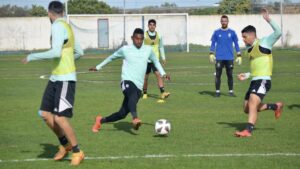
(154,39)
(58,99)
(261,64)
(135,58)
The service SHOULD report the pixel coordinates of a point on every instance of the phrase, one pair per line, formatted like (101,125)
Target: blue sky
(129,3)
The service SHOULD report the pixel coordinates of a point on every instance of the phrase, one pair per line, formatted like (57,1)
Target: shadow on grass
(240,126)
(127,127)
(49,150)
(292,106)
(213,94)
(154,96)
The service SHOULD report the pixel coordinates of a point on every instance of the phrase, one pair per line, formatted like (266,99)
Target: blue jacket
(221,44)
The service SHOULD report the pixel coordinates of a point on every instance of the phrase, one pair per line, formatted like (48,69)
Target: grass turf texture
(201,124)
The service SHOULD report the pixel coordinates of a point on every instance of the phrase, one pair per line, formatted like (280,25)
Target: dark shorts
(258,87)
(150,67)
(59,98)
(228,64)
(129,89)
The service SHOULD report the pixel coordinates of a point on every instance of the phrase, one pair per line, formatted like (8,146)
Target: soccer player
(135,58)
(261,64)
(155,40)
(221,44)
(58,99)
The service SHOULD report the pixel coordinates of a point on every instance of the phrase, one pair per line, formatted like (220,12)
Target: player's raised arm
(272,38)
(116,55)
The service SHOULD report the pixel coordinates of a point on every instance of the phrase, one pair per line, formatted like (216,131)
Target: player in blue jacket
(222,54)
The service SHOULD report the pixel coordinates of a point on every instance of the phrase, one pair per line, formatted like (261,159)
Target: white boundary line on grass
(163,156)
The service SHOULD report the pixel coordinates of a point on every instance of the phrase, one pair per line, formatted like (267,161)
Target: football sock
(249,127)
(103,120)
(271,106)
(217,91)
(63,140)
(162,89)
(230,91)
(75,149)
(144,91)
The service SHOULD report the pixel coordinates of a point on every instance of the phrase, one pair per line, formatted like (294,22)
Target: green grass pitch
(202,126)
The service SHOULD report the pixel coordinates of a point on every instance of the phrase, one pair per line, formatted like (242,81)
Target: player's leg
(133,94)
(145,87)
(276,107)
(64,101)
(119,115)
(46,109)
(160,83)
(219,66)
(229,72)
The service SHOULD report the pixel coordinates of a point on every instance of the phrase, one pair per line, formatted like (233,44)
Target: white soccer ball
(162,127)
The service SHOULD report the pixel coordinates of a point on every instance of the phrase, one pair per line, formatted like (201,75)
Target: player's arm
(244,76)
(116,55)
(270,40)
(57,32)
(162,51)
(158,66)
(237,49)
(78,52)
(212,57)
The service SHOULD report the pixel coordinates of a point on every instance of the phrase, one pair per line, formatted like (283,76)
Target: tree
(235,7)
(88,7)
(13,11)
(169,5)
(37,11)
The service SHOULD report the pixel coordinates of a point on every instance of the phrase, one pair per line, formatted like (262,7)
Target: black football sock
(144,91)
(271,106)
(249,127)
(75,149)
(162,89)
(63,140)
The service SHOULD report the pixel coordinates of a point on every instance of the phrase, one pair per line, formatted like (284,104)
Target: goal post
(108,31)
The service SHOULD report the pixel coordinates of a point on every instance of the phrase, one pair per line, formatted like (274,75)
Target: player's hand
(164,62)
(93,69)
(167,77)
(212,58)
(265,14)
(239,59)
(24,61)
(242,77)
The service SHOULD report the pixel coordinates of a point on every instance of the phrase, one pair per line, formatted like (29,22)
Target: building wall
(32,33)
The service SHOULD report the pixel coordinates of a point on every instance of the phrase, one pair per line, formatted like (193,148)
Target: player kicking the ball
(135,59)
(261,63)
(58,99)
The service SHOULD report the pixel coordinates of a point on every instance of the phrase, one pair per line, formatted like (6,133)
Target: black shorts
(129,89)
(258,87)
(150,67)
(59,98)
(228,64)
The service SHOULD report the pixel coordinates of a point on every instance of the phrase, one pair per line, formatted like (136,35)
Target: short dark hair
(224,16)
(138,31)
(56,7)
(152,21)
(249,29)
